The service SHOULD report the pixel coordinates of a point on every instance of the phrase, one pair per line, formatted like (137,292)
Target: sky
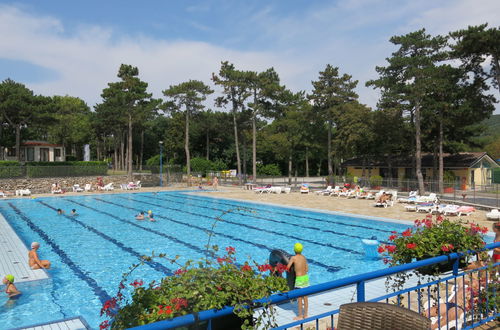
(61,47)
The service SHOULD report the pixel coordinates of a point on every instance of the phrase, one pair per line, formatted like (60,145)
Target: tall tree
(264,87)
(130,94)
(21,108)
(235,91)
(72,121)
(330,92)
(188,97)
(479,50)
(406,79)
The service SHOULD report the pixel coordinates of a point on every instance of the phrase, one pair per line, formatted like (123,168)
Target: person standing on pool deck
(301,278)
(34,261)
(10,288)
(215,183)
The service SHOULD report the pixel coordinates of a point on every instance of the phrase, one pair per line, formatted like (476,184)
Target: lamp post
(161,163)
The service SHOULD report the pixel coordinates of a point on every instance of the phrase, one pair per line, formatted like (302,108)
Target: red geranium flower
(392,237)
(407,232)
(381,249)
(391,248)
(411,246)
(104,325)
(230,250)
(137,283)
(180,271)
(246,268)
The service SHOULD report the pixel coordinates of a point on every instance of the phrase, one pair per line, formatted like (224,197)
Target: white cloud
(352,34)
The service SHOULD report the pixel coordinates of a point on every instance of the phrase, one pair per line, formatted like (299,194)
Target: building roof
(32,143)
(458,160)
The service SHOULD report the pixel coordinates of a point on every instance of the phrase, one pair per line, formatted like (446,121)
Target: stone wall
(43,185)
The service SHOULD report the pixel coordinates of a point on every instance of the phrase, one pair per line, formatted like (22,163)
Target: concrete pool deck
(337,204)
(14,256)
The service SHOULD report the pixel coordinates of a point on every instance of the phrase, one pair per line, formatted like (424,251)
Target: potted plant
(431,237)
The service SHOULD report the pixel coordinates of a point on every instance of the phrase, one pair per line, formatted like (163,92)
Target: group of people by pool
(61,212)
(34,262)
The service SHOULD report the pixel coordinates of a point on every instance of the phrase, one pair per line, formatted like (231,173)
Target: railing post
(360,291)
(455,266)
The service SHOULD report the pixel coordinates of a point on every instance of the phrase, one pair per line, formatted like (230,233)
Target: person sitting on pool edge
(140,216)
(34,261)
(301,278)
(10,289)
(150,216)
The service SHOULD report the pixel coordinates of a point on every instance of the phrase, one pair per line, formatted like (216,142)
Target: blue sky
(76,47)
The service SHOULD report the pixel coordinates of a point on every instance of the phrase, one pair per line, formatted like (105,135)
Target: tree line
(434,94)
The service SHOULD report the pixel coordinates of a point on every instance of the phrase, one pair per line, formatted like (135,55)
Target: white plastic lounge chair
(411,208)
(493,215)
(23,192)
(328,190)
(346,193)
(426,207)
(260,190)
(450,209)
(123,186)
(304,189)
(287,190)
(465,210)
(88,187)
(371,195)
(138,184)
(412,197)
(335,191)
(108,187)
(432,197)
(55,190)
(77,188)
(275,190)
(132,186)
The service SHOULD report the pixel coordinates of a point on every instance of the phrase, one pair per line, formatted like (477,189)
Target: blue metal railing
(358,280)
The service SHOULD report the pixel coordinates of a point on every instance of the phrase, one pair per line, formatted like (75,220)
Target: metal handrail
(359,280)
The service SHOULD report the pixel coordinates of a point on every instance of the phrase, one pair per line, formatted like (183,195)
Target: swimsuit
(496,256)
(302,281)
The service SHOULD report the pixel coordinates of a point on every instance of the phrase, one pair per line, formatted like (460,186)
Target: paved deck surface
(70,324)
(14,256)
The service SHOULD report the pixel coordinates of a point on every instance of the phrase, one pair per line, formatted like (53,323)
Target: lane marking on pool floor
(270,220)
(249,226)
(278,212)
(98,291)
(331,269)
(153,264)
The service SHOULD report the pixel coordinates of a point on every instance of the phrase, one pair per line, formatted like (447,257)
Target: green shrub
(201,165)
(9,163)
(155,160)
(219,165)
(375,180)
(269,169)
(70,158)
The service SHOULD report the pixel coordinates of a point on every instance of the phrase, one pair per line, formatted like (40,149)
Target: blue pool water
(90,252)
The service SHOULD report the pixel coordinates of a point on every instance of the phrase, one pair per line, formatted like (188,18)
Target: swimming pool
(90,252)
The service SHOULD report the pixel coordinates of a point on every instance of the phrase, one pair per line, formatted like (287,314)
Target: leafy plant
(375,180)
(212,282)
(269,169)
(432,237)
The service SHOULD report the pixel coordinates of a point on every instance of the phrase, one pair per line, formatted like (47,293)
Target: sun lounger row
(271,190)
(444,209)
(413,197)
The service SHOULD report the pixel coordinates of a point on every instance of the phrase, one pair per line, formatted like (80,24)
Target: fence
(472,307)
(27,171)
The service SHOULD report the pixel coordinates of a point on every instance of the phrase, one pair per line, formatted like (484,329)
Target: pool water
(90,252)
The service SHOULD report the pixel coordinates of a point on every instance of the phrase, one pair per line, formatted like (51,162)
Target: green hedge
(72,163)
(13,169)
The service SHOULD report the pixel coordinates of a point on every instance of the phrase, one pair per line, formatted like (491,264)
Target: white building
(37,151)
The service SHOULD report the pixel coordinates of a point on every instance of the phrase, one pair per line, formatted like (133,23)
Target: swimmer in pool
(301,278)
(34,261)
(140,216)
(59,211)
(73,212)
(150,216)
(10,289)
